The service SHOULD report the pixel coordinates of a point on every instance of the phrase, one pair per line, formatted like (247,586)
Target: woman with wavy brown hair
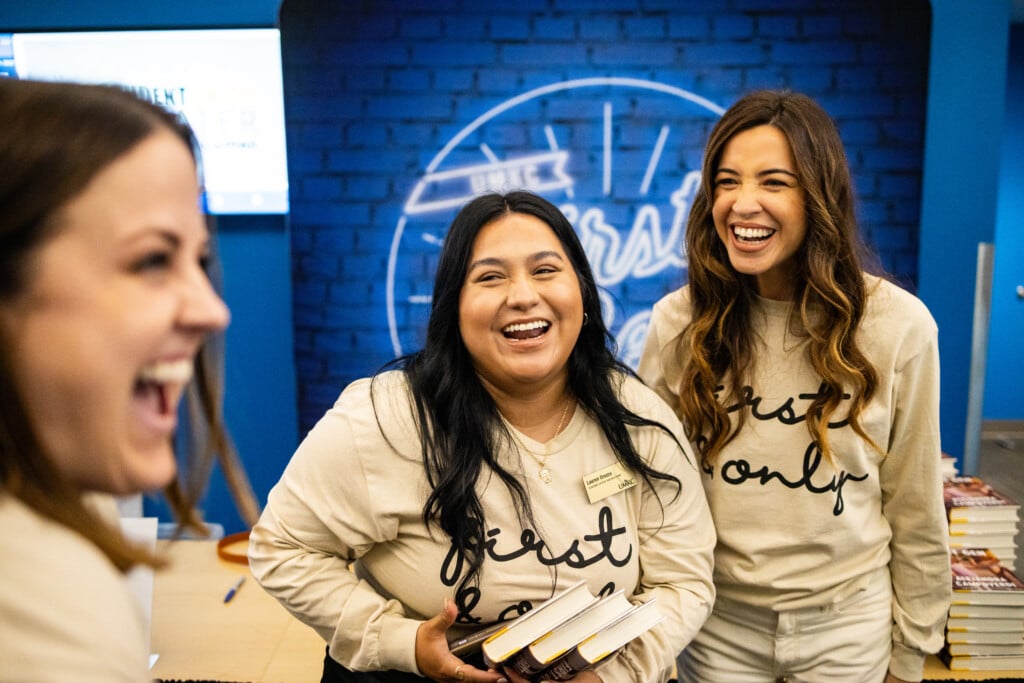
(106,313)
(810,390)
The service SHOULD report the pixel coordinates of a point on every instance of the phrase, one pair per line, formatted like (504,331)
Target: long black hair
(459,421)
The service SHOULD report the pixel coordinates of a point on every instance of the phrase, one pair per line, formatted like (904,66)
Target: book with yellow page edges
(604,643)
(514,635)
(983,662)
(985,626)
(972,499)
(980,579)
(542,652)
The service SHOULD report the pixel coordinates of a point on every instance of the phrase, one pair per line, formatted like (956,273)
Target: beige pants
(846,642)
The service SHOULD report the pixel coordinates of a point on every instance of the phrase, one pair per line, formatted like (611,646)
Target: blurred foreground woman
(105,305)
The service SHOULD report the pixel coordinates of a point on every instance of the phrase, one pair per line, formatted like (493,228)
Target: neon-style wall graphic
(619,156)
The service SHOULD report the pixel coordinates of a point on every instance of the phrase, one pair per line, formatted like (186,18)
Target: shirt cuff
(398,644)
(906,663)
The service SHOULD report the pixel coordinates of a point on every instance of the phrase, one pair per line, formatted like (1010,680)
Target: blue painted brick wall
(375,91)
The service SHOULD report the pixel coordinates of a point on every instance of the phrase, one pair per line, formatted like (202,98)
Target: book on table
(1007,555)
(983,637)
(969,499)
(982,663)
(604,643)
(989,541)
(987,624)
(961,610)
(969,527)
(540,654)
(979,578)
(984,649)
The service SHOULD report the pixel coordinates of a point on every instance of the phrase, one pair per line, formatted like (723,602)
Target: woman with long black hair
(460,476)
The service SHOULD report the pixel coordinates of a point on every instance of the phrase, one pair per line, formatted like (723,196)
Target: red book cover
(980,578)
(972,498)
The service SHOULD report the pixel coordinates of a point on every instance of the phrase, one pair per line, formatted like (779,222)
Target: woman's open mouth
(746,235)
(158,388)
(530,330)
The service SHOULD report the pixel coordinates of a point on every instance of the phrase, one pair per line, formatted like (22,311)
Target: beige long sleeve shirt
(794,531)
(347,495)
(66,613)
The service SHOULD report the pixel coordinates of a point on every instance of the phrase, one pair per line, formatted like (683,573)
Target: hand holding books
(570,633)
(436,661)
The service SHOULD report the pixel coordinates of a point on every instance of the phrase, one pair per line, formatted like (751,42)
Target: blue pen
(234,589)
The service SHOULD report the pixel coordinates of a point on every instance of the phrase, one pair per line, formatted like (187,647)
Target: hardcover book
(963,527)
(961,611)
(539,654)
(980,579)
(987,625)
(973,499)
(982,663)
(982,541)
(604,643)
(513,636)
(982,637)
(984,649)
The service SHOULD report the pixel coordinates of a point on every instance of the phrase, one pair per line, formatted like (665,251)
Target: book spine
(566,667)
(524,663)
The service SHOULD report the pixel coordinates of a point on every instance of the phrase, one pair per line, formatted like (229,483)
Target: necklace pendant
(545,475)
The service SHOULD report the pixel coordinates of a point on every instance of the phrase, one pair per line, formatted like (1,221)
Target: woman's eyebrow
(496,261)
(767,171)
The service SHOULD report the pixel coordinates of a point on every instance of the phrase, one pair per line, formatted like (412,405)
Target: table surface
(253,639)
(200,637)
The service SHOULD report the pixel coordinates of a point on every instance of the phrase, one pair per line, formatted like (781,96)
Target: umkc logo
(619,156)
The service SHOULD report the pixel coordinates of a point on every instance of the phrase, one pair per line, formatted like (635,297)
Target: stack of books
(981,517)
(571,632)
(985,628)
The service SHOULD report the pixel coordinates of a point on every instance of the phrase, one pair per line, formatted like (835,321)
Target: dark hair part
(459,421)
(830,295)
(55,138)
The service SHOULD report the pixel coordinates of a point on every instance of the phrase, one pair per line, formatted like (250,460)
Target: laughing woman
(457,478)
(810,389)
(104,307)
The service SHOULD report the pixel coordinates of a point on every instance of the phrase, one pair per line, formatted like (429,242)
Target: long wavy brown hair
(55,138)
(830,294)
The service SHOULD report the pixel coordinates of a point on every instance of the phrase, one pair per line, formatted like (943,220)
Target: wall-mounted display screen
(226,82)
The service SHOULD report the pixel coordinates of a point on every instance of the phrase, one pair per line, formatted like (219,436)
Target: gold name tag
(608,481)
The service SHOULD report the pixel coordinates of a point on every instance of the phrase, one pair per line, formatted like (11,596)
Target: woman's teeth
(523,330)
(168,371)
(752,234)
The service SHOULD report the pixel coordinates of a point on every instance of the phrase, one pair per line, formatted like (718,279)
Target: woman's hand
(436,662)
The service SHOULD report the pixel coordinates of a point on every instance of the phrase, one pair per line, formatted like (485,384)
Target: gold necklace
(543,472)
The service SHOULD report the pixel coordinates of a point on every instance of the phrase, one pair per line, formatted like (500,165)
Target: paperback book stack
(981,517)
(569,633)
(985,628)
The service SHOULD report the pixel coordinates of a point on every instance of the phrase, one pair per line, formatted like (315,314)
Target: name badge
(608,482)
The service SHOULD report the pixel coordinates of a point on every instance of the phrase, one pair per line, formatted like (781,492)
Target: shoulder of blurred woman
(72,606)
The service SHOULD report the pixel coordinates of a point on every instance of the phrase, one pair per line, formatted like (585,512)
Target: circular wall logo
(619,156)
